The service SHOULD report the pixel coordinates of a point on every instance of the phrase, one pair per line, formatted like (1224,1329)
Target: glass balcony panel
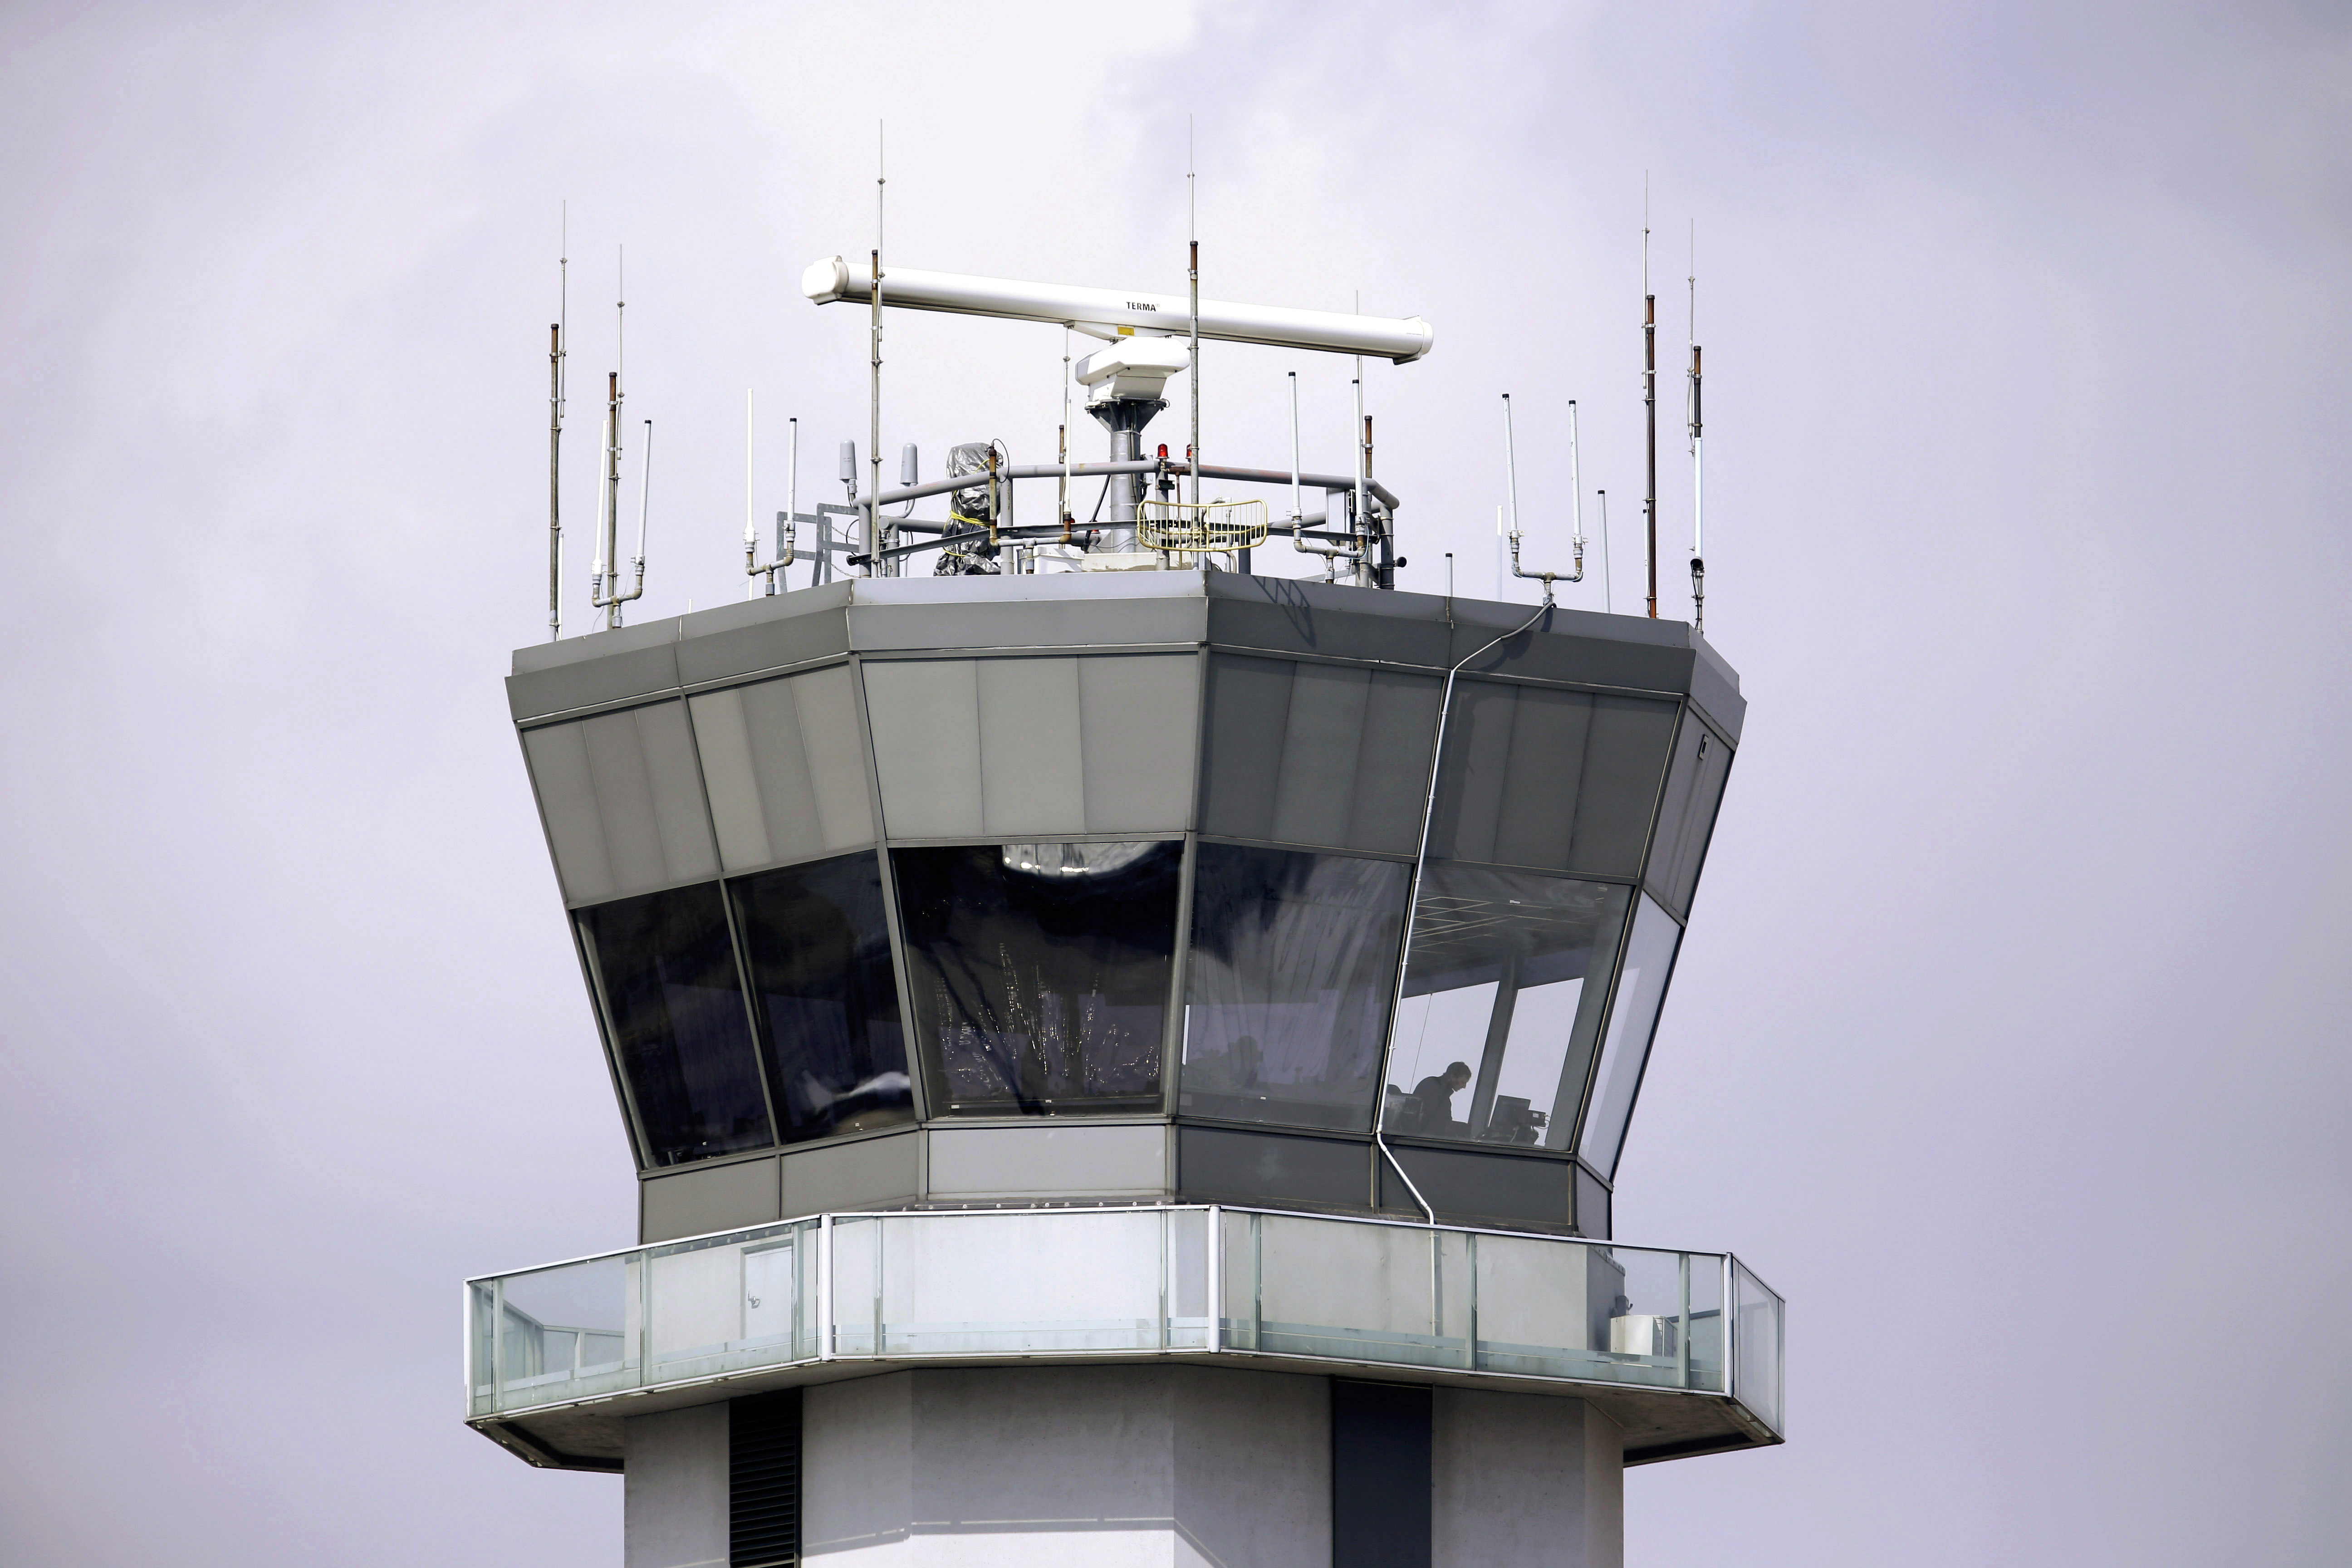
(1361,1292)
(826,997)
(666,968)
(559,1334)
(1291,966)
(727,1303)
(1632,1020)
(1497,1031)
(997,1284)
(1041,971)
(1756,1342)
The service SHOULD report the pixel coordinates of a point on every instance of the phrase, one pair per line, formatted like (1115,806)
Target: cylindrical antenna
(1297,512)
(1192,375)
(751,517)
(1608,601)
(645,494)
(1698,458)
(1649,401)
(556,426)
(1065,436)
(1575,490)
(1362,522)
(872,542)
(784,550)
(1510,470)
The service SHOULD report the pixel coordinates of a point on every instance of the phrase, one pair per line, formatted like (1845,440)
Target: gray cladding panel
(771,643)
(925,718)
(1563,781)
(1624,763)
(1687,813)
(1139,716)
(1271,1167)
(785,768)
(980,1161)
(609,678)
(1028,623)
(1464,1185)
(866,1173)
(1292,618)
(697,1202)
(1032,769)
(1249,715)
(1317,754)
(623,797)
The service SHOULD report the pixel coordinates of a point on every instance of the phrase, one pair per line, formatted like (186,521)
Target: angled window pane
(827,1000)
(675,1009)
(1649,963)
(1502,1003)
(1293,962)
(1040,971)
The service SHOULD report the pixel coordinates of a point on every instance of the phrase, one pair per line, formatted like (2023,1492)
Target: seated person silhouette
(1433,1099)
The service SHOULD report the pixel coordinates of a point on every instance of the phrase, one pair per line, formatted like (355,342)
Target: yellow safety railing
(1203,528)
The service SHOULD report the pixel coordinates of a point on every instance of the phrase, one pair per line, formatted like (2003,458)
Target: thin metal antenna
(1607,602)
(645,494)
(1697,456)
(792,508)
(555,428)
(1649,398)
(751,517)
(1064,438)
(1362,529)
(1511,495)
(872,544)
(1192,228)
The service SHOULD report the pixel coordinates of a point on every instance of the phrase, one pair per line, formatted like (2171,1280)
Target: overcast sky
(2010,1039)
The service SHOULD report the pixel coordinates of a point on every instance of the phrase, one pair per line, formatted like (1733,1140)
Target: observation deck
(1681,1350)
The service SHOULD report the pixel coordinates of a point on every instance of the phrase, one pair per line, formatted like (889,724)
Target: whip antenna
(1697,456)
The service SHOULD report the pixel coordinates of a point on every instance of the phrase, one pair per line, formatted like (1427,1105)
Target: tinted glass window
(675,1010)
(1503,994)
(826,1000)
(1649,962)
(1040,971)
(1293,966)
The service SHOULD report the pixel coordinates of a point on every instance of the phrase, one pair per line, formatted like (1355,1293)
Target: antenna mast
(555,430)
(872,544)
(1698,458)
(1650,397)
(1193,224)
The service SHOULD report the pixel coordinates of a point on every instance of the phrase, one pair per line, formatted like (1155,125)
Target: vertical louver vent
(763,1475)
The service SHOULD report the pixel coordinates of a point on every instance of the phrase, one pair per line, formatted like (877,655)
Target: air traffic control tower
(1095,1102)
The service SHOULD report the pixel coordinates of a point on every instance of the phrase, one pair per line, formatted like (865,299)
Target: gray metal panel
(1272,1167)
(925,719)
(764,634)
(1591,1205)
(1467,1185)
(868,1173)
(696,1202)
(785,768)
(1140,718)
(1282,615)
(558,759)
(681,816)
(978,1161)
(726,748)
(1715,687)
(826,701)
(1548,730)
(1249,714)
(1477,760)
(608,678)
(1624,763)
(1032,767)
(1028,623)
(646,793)
(1315,792)
(1687,813)
(1393,766)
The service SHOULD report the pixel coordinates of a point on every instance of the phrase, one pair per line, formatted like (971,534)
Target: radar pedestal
(1056,1143)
